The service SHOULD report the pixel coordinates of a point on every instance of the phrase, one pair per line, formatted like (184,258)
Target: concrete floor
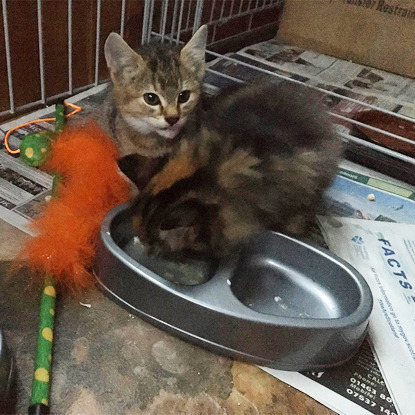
(108,362)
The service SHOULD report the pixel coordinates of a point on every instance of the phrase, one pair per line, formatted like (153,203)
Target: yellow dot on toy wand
(45,401)
(43,150)
(47,334)
(42,375)
(49,290)
(29,152)
(52,311)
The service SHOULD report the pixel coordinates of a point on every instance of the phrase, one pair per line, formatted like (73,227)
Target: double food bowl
(279,302)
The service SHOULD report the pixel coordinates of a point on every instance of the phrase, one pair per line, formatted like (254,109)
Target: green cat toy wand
(34,150)
(39,399)
(64,245)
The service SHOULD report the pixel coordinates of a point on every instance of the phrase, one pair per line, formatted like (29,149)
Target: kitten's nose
(172,120)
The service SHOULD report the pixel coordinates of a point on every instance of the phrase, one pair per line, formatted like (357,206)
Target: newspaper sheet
(385,87)
(384,253)
(22,191)
(356,388)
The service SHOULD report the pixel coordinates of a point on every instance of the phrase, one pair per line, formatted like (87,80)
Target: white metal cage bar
(222,10)
(145,28)
(41,54)
(212,11)
(8,56)
(378,148)
(173,25)
(179,25)
(97,43)
(198,15)
(122,23)
(249,5)
(70,81)
(150,20)
(189,9)
(163,18)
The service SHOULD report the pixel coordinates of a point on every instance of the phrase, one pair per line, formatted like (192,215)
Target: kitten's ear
(193,53)
(122,61)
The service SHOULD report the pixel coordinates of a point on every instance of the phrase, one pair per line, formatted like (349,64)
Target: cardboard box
(378,33)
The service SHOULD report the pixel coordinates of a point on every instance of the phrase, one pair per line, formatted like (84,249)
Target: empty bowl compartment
(279,276)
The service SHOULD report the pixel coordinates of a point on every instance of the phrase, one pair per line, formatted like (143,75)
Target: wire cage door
(52,49)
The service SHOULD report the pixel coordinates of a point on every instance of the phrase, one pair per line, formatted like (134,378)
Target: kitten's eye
(184,97)
(151,99)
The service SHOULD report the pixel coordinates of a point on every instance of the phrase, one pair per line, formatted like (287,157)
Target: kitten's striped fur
(136,126)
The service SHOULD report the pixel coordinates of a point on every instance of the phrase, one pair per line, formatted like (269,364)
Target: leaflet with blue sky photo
(359,196)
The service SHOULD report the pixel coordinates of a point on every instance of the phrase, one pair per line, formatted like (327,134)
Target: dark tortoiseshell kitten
(262,159)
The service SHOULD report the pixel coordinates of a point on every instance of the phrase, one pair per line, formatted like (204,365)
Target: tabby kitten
(262,159)
(154,95)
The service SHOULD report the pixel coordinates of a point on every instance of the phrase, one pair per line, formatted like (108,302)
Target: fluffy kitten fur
(262,159)
(164,70)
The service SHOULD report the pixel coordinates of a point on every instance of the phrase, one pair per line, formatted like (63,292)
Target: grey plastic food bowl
(279,302)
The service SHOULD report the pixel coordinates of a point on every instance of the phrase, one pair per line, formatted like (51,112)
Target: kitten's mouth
(146,126)
(170,132)
(174,127)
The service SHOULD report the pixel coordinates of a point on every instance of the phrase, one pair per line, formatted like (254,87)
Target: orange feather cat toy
(90,185)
